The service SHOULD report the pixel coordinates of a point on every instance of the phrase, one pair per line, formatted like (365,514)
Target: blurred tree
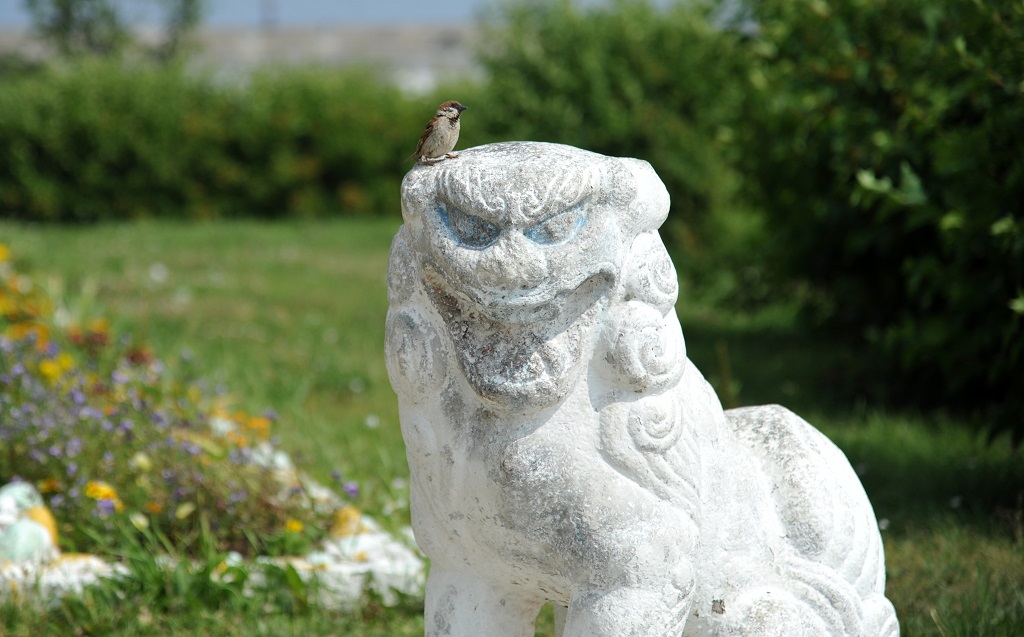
(884,139)
(99,27)
(625,78)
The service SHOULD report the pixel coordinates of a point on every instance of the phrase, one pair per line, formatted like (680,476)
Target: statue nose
(512,263)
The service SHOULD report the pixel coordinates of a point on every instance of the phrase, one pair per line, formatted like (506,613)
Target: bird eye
(468,230)
(558,229)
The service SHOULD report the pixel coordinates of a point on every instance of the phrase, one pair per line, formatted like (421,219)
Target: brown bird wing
(419,144)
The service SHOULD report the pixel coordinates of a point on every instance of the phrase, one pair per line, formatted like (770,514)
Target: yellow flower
(347,522)
(236,439)
(49,370)
(99,326)
(49,485)
(5,253)
(260,425)
(24,329)
(53,369)
(293,526)
(99,490)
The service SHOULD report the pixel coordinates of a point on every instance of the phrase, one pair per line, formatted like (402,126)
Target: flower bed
(121,446)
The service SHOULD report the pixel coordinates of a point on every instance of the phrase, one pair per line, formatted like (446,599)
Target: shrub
(883,139)
(97,141)
(624,79)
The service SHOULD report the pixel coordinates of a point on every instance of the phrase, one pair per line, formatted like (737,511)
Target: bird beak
(461,107)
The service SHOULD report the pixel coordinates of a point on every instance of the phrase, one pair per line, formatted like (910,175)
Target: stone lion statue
(563,448)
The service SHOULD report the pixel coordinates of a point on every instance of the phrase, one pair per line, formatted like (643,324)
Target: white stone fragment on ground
(343,567)
(45,584)
(28,532)
(358,556)
(347,567)
(26,540)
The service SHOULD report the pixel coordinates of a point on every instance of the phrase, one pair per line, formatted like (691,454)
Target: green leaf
(1017,304)
(868,181)
(911,192)
(297,586)
(1005,225)
(952,220)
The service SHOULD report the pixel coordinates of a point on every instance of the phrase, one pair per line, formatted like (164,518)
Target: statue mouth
(519,349)
(528,307)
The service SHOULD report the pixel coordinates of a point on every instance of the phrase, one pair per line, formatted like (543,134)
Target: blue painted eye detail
(560,228)
(468,230)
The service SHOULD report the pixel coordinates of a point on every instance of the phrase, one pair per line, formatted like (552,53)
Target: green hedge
(884,139)
(108,141)
(623,79)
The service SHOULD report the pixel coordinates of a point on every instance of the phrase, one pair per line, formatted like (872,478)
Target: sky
(251,13)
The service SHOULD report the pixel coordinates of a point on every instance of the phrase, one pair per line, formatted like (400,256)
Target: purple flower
(351,489)
(55,451)
(74,446)
(90,413)
(241,456)
(105,507)
(72,469)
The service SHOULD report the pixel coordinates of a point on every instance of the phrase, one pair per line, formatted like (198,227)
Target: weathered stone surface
(561,445)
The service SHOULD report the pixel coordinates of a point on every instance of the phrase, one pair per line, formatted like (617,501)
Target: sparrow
(441,134)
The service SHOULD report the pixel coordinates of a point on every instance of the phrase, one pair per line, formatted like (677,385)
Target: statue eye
(558,229)
(468,230)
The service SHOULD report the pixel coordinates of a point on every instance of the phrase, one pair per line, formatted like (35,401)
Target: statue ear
(649,204)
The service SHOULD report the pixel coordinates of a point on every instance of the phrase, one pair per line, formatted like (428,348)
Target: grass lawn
(290,317)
